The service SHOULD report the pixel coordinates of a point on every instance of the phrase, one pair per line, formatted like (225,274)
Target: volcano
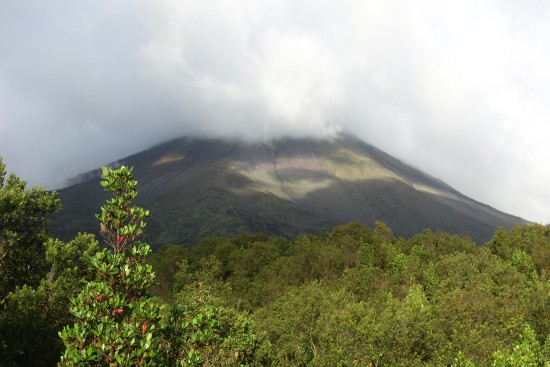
(201,187)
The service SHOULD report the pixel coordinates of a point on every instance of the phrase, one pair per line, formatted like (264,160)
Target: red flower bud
(120,239)
(119,311)
(144,327)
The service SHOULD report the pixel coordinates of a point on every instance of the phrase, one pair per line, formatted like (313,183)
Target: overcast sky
(459,89)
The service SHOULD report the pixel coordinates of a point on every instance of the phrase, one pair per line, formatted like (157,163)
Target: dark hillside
(200,187)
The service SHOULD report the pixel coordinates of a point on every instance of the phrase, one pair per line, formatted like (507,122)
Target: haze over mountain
(459,89)
(200,187)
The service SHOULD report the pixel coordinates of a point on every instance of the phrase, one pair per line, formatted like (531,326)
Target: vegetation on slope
(359,296)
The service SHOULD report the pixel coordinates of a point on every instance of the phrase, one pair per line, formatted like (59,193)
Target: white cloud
(459,89)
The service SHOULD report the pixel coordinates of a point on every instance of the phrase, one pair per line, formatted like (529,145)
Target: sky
(459,89)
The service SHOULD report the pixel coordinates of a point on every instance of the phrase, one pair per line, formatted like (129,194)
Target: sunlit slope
(199,187)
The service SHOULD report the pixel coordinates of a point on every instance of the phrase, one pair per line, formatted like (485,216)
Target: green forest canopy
(355,296)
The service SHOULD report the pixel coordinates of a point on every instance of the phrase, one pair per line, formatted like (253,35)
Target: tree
(36,274)
(527,352)
(119,323)
(24,218)
(116,320)
(200,332)
(31,317)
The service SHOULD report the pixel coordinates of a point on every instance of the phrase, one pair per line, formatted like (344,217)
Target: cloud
(458,89)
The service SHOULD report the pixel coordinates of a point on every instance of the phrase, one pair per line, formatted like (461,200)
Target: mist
(457,89)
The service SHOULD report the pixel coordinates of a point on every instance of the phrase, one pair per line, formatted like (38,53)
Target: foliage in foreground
(38,275)
(23,230)
(119,323)
(353,297)
(100,300)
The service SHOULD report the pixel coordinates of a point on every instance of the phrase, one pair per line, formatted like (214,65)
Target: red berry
(119,311)
(120,239)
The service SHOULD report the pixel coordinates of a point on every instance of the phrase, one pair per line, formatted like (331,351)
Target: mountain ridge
(195,187)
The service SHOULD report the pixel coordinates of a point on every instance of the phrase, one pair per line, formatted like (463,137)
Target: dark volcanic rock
(201,187)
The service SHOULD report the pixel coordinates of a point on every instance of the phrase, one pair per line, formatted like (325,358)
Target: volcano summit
(199,187)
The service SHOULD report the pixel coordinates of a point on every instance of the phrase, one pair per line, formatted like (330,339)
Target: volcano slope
(200,187)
